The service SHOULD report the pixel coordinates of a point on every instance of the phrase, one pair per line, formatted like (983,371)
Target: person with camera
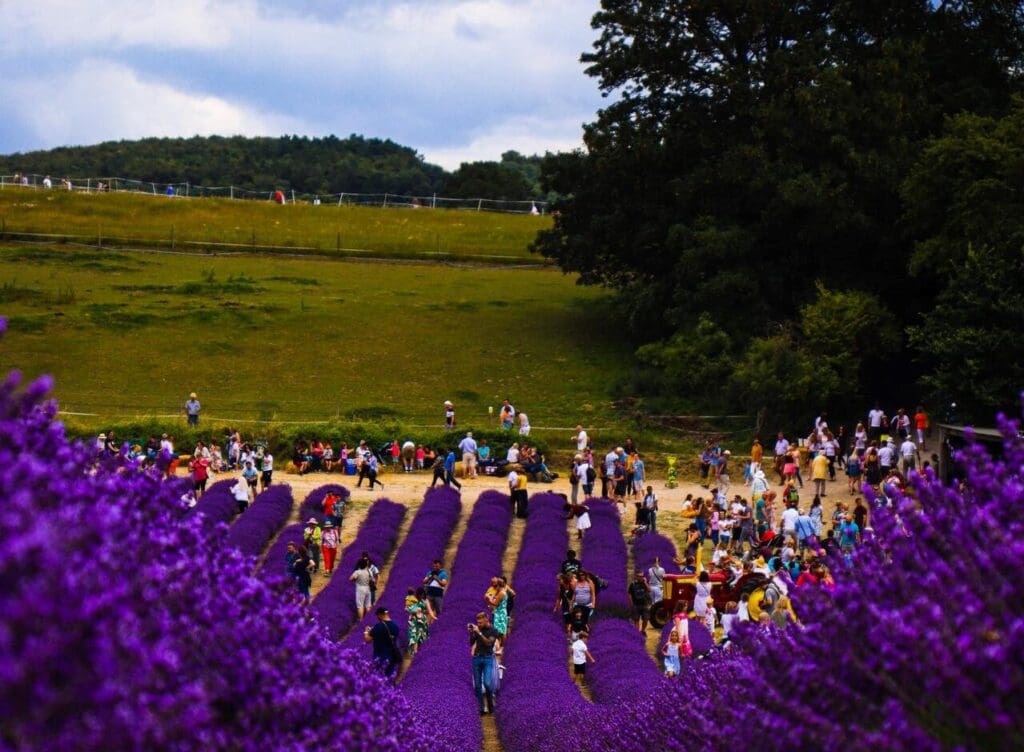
(435,582)
(483,639)
(384,636)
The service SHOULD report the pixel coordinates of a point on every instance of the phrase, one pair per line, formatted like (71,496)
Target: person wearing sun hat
(449,415)
(312,538)
(329,540)
(192,408)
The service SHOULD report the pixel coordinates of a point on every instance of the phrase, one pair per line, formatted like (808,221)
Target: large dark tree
(752,149)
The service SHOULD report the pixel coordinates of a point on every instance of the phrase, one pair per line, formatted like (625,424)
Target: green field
(207,223)
(273,338)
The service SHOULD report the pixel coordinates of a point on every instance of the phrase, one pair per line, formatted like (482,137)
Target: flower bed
(273,565)
(334,608)
(313,505)
(539,706)
(440,676)
(429,534)
(258,524)
(651,545)
(217,505)
(125,627)
(604,554)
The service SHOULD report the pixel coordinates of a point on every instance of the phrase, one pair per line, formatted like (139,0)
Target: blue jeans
(482,679)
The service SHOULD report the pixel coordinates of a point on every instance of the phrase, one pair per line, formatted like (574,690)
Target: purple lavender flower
(257,525)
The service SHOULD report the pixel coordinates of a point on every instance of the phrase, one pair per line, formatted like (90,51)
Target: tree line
(805,204)
(310,165)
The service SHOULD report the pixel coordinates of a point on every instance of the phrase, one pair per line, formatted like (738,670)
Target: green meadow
(219,224)
(274,338)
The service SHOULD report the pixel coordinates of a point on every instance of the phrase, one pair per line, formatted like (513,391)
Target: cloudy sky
(457,80)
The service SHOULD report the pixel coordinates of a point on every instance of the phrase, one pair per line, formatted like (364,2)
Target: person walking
(449,470)
(435,582)
(363,578)
(656,580)
(240,491)
(420,616)
(371,471)
(329,540)
(819,473)
(482,639)
(312,538)
(580,656)
(641,599)
(266,471)
(384,636)
(302,570)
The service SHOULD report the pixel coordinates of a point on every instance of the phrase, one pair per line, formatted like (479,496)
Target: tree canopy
(751,151)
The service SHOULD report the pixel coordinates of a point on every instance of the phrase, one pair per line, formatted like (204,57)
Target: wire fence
(345,198)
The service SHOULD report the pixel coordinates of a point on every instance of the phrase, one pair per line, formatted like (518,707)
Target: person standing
(513,482)
(650,504)
(420,617)
(266,471)
(756,456)
(574,478)
(384,636)
(582,439)
(468,448)
(656,580)
(449,415)
(200,473)
(506,415)
(524,424)
(641,598)
(819,473)
(639,474)
(192,408)
(435,583)
(240,491)
(482,639)
(521,497)
(876,421)
(302,571)
(908,451)
(371,471)
(921,424)
(329,540)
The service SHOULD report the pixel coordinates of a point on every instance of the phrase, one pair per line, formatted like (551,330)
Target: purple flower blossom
(431,528)
(217,505)
(258,524)
(436,679)
(335,607)
(124,626)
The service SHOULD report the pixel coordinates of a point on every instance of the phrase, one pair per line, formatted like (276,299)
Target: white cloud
(101,100)
(527,135)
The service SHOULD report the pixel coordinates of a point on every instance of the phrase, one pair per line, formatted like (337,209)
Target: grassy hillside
(269,337)
(190,224)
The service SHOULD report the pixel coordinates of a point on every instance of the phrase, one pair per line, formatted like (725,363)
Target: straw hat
(192,395)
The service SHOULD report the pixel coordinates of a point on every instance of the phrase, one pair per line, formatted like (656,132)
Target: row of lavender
(437,678)
(335,608)
(623,670)
(216,505)
(539,706)
(429,534)
(254,529)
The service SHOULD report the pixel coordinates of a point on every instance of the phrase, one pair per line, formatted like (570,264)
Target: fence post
(187,191)
(385,201)
(293,195)
(88,185)
(479,204)
(341,198)
(433,202)
(232,188)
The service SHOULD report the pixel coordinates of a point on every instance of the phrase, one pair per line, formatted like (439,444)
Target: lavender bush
(216,505)
(313,505)
(655,545)
(539,706)
(254,529)
(274,563)
(431,528)
(440,675)
(335,607)
(124,626)
(604,553)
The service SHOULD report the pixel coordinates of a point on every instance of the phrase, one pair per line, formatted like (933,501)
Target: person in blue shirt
(449,470)
(384,636)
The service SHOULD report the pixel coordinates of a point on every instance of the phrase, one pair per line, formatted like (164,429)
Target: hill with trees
(310,165)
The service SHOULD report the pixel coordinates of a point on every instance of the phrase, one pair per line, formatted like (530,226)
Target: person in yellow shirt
(756,455)
(819,473)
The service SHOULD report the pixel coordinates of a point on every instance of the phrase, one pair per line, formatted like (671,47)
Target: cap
(381,611)
(328,523)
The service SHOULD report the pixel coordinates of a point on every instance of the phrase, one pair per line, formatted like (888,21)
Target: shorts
(266,476)
(199,485)
(579,669)
(620,488)
(641,612)
(193,420)
(251,482)
(363,599)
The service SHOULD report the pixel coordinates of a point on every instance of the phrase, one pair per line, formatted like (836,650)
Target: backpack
(591,474)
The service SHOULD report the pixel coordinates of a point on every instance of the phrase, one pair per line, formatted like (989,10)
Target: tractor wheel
(660,614)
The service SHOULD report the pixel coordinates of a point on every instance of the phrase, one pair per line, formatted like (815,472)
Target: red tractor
(683,587)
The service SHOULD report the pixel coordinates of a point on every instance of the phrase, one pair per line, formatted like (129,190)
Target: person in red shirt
(921,424)
(200,473)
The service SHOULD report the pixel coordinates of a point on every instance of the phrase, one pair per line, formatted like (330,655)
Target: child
(671,652)
(420,456)
(579,619)
(580,656)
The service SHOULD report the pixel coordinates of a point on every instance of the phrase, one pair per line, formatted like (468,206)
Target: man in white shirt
(781,448)
(513,481)
(875,419)
(241,493)
(887,456)
(908,450)
(581,439)
(468,448)
(789,518)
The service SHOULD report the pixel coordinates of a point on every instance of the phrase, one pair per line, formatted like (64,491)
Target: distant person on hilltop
(170,190)
(192,408)
(279,197)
